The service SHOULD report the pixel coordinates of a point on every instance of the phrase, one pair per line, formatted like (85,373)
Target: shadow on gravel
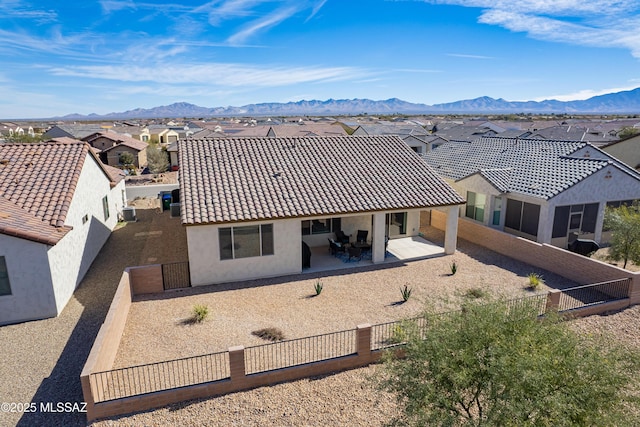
(95,293)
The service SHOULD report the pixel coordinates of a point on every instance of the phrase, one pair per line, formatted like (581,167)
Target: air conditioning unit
(129,214)
(175,210)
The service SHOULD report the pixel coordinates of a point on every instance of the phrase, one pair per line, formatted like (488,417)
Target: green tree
(157,160)
(624,224)
(628,132)
(495,365)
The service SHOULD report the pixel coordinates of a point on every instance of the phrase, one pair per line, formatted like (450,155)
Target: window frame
(105,207)
(4,278)
(230,237)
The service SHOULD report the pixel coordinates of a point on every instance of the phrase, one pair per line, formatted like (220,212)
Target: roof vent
(4,161)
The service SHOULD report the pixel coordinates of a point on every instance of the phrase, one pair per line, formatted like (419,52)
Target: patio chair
(335,247)
(361,237)
(354,253)
(341,237)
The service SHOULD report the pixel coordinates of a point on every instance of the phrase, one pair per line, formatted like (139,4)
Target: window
(522,216)
(85,219)
(497,209)
(576,218)
(5,287)
(321,226)
(396,223)
(245,242)
(105,207)
(475,206)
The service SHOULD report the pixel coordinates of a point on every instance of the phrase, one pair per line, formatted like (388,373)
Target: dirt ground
(163,178)
(602,255)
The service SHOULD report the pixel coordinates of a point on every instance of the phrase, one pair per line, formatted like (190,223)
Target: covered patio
(398,250)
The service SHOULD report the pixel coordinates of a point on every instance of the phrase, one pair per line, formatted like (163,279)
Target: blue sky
(108,56)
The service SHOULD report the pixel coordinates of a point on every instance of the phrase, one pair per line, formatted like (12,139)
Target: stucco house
(58,206)
(110,145)
(248,204)
(626,150)
(544,190)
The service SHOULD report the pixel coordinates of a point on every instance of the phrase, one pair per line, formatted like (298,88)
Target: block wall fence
(567,264)
(148,279)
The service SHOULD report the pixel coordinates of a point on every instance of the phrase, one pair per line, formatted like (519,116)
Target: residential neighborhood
(250,206)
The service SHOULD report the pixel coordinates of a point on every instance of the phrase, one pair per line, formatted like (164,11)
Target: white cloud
(214,74)
(597,23)
(463,55)
(268,21)
(584,94)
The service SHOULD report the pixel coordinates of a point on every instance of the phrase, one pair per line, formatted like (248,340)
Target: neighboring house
(111,145)
(547,191)
(250,203)
(414,135)
(76,131)
(627,150)
(58,206)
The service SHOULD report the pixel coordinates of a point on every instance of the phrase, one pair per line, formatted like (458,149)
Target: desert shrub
(535,280)
(318,287)
(269,334)
(200,313)
(406,293)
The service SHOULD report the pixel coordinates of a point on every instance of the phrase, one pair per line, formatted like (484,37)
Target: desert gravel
(41,361)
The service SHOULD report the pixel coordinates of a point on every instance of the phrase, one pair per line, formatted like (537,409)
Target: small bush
(200,313)
(476,293)
(318,287)
(406,293)
(454,268)
(269,334)
(535,280)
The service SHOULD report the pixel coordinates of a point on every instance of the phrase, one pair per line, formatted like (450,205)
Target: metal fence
(142,379)
(137,380)
(299,351)
(176,275)
(597,293)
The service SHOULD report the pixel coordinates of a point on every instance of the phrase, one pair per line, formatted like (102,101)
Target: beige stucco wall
(72,256)
(207,268)
(30,280)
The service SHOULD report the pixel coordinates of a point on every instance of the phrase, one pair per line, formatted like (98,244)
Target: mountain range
(625,102)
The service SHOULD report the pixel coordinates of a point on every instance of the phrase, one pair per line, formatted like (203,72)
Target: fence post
(236,364)
(88,397)
(634,289)
(553,300)
(363,340)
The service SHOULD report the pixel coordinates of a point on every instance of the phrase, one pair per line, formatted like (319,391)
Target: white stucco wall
(207,268)
(30,280)
(72,256)
(608,184)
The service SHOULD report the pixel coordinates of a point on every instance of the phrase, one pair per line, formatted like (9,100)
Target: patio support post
(451,230)
(377,240)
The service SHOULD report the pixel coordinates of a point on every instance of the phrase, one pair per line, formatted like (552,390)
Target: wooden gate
(176,275)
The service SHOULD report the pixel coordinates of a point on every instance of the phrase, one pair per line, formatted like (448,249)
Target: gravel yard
(41,361)
(158,328)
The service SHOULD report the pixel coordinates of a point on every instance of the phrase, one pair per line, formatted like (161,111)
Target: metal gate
(176,275)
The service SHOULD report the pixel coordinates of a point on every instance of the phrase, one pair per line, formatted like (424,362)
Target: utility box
(175,210)
(129,214)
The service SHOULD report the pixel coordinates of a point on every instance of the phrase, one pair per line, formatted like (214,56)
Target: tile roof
(119,139)
(534,167)
(244,179)
(37,182)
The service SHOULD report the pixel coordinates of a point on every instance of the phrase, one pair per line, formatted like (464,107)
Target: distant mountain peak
(625,102)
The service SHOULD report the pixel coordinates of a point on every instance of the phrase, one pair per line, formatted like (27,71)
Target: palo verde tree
(496,365)
(624,224)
